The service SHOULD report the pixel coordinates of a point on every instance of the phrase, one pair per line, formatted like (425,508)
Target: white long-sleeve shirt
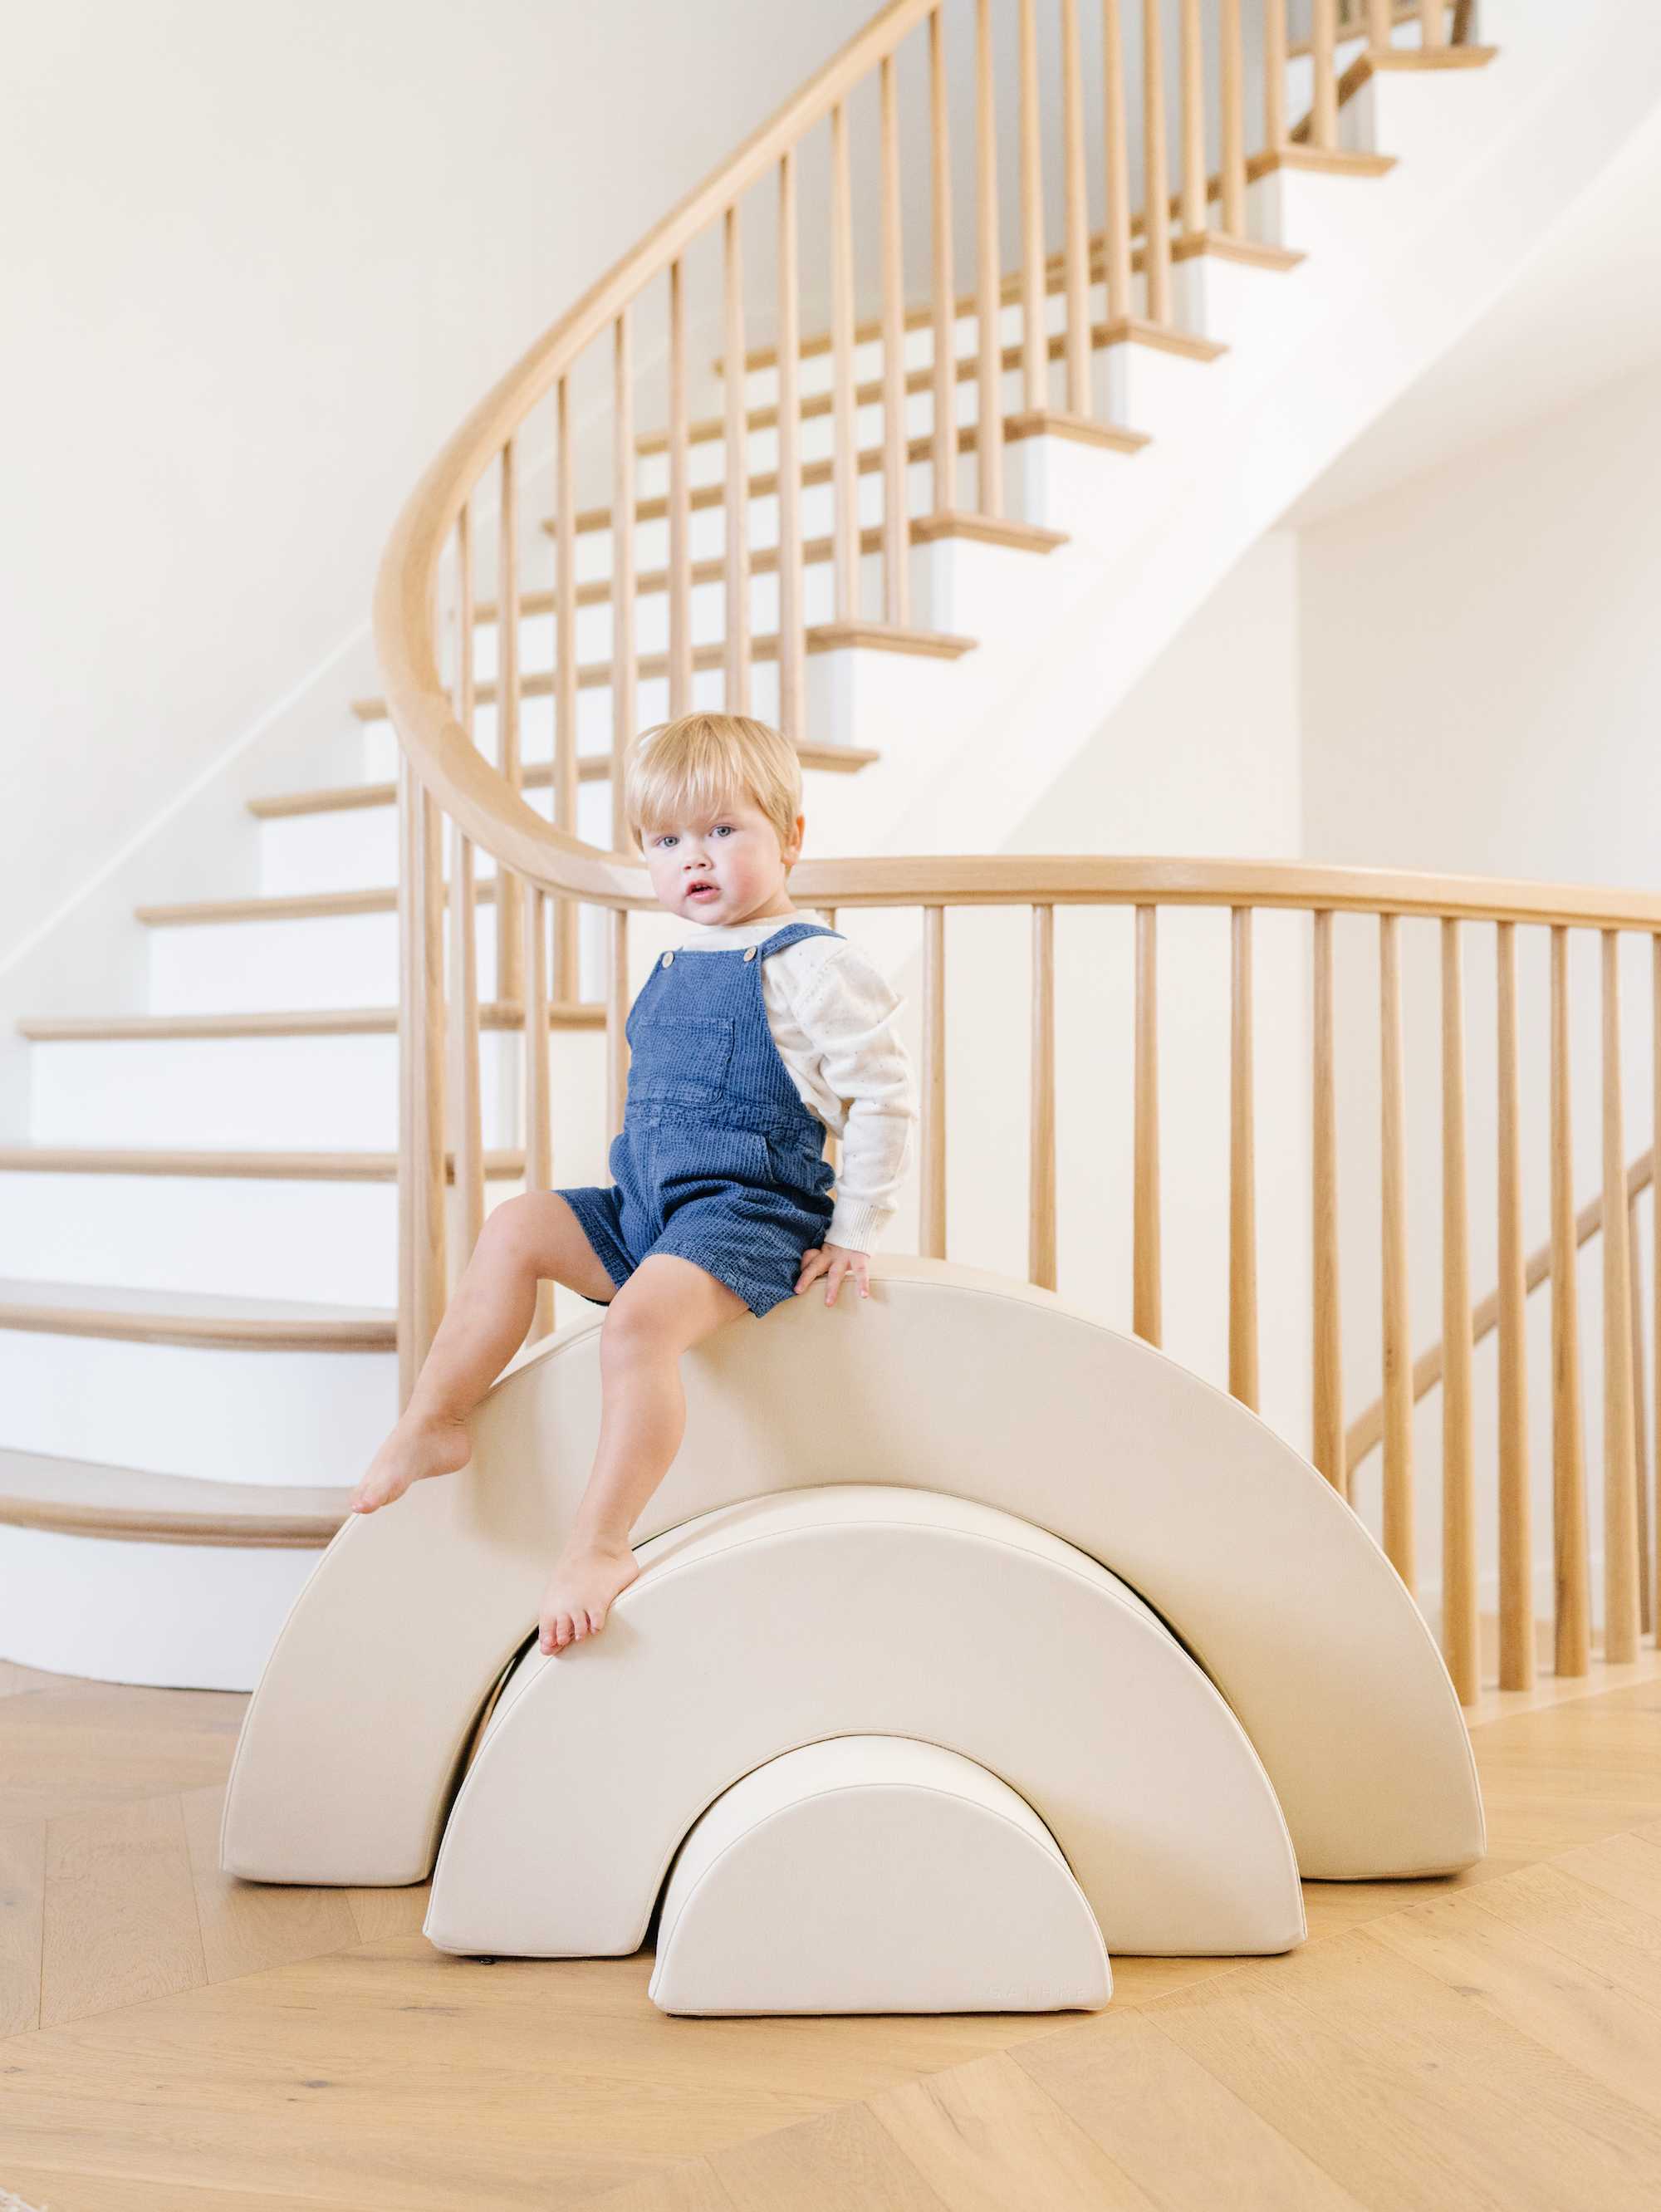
(832,1018)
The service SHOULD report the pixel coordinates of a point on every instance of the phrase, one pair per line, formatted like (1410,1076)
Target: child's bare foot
(581,1592)
(416,1448)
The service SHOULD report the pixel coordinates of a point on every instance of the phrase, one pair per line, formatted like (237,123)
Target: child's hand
(835,1263)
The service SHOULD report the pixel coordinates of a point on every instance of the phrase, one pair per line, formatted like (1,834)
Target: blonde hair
(708,761)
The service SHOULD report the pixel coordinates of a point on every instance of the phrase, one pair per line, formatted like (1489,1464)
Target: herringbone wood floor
(177,2042)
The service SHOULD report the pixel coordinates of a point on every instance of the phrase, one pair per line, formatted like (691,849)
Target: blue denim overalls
(719,1161)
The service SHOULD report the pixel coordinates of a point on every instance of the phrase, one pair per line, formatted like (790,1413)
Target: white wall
(1481,693)
(259,262)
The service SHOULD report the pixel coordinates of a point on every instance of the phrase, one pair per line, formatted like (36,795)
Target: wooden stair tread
(247,1167)
(184,1317)
(535,776)
(82,1497)
(327,1021)
(955,522)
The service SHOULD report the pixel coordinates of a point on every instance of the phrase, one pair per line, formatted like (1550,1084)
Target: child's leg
(667,1305)
(535,1238)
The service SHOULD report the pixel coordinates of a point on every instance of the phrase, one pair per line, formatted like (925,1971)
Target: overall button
(669,960)
(750,954)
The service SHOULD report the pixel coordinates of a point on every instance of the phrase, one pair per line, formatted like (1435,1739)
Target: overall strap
(792,934)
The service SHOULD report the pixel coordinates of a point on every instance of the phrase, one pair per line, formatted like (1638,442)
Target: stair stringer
(1489,162)
(948,1380)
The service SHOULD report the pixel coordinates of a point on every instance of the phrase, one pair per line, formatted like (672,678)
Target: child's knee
(511,1233)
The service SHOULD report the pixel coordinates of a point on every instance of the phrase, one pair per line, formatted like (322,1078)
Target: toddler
(760,1031)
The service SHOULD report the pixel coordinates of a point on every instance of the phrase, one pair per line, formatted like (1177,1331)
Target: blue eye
(723,831)
(666,842)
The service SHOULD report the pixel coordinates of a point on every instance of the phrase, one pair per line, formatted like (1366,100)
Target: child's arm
(845,1013)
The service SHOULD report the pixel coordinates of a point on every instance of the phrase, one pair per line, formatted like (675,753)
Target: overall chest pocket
(679,1060)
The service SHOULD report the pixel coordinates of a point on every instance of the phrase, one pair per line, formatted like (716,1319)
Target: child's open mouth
(700,894)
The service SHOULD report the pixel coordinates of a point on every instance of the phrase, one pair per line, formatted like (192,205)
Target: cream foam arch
(856,1875)
(948,1380)
(862,1610)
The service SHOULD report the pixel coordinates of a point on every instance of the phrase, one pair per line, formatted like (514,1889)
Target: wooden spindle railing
(544,875)
(1400,1533)
(989,285)
(1077,247)
(896,523)
(1516,1524)
(1242,1170)
(1146,1298)
(1035,336)
(943,298)
(1460,1647)
(1156,169)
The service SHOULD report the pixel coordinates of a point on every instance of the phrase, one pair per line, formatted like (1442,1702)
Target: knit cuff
(856,1226)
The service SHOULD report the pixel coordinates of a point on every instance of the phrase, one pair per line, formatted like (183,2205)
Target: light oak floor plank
(119,1911)
(1171,2126)
(54,2190)
(1563,2006)
(72,1749)
(689,2188)
(987,2137)
(380,1912)
(846,2162)
(23,1892)
(247,1926)
(1618,1940)
(1625,1866)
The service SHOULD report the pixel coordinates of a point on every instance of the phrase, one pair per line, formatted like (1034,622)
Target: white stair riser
(179,1616)
(313,1418)
(260,967)
(332,1244)
(348,848)
(252,1094)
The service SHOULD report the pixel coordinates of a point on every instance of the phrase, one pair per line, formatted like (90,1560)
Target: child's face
(722,867)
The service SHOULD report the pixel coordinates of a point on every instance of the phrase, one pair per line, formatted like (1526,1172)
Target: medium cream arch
(864,1610)
(947,1380)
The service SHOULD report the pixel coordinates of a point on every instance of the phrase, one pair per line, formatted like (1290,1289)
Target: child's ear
(791,852)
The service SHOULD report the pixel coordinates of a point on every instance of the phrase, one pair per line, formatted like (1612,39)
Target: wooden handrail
(1366,1432)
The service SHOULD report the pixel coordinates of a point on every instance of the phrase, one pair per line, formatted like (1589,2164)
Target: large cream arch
(947,1380)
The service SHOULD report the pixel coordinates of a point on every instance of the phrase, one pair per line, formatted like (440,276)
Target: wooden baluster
(1327,1449)
(421,1165)
(1231,214)
(1034,333)
(943,294)
(1378,23)
(568,984)
(538,1099)
(1460,1644)
(846,465)
(624,710)
(1242,1173)
(1116,164)
(1398,1524)
(1433,22)
(1655,1255)
(461,1029)
(1571,1609)
(738,453)
(1156,189)
(1640,1438)
(1274,75)
(680,490)
(465,1134)
(1324,104)
(617,1015)
(896,496)
(1077,205)
(510,891)
(1041,1212)
(793,635)
(1145,1295)
(1192,61)
(1516,1533)
(931,1237)
(1620,1472)
(989,338)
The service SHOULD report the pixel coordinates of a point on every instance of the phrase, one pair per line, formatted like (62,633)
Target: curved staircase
(941,615)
